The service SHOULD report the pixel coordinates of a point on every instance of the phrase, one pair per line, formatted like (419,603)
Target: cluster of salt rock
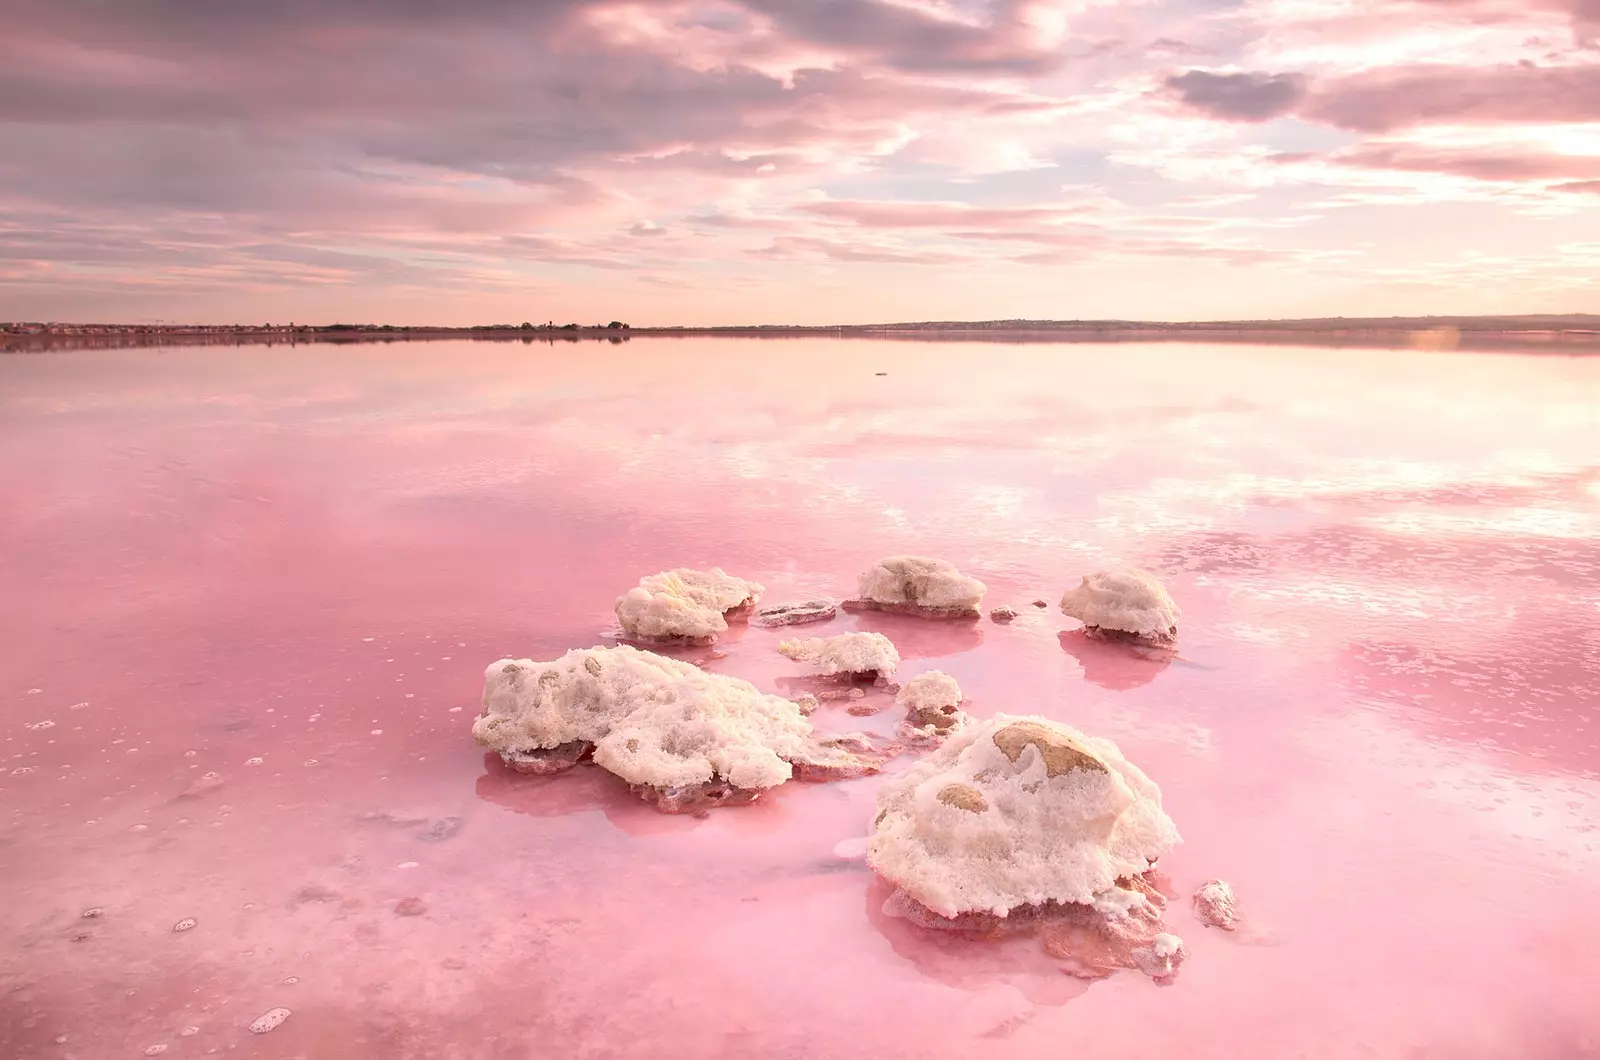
(1014,823)
(682,738)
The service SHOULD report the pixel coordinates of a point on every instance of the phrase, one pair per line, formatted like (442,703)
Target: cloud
(1250,97)
(249,155)
(1506,165)
(1386,100)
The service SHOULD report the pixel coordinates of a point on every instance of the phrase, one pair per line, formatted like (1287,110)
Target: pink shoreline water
(1380,727)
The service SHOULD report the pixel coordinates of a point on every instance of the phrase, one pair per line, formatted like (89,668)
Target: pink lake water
(249,594)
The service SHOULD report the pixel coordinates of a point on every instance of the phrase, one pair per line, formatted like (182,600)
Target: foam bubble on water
(189,1032)
(140,828)
(269,1020)
(190,754)
(366,640)
(38,725)
(455,710)
(22,771)
(80,706)
(293,979)
(155,1050)
(186,924)
(254,761)
(406,865)
(93,913)
(377,732)
(34,691)
(312,762)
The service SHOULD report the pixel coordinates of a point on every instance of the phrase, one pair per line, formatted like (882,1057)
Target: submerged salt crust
(652,720)
(918,583)
(1019,811)
(1127,600)
(847,653)
(684,604)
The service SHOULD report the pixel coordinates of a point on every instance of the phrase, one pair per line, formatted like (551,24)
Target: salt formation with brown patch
(1021,823)
(855,655)
(933,708)
(1123,604)
(1216,906)
(684,606)
(917,585)
(680,737)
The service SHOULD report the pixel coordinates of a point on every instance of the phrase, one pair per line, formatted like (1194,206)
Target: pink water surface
(289,567)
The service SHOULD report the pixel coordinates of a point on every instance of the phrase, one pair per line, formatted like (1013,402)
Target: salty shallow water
(249,595)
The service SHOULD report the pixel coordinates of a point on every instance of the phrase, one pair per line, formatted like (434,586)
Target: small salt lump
(917,585)
(868,655)
(1019,812)
(683,605)
(679,736)
(1216,906)
(269,1021)
(1127,604)
(933,707)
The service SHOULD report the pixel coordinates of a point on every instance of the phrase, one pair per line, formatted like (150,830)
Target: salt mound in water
(1127,603)
(683,605)
(865,655)
(917,585)
(1021,823)
(933,708)
(1216,906)
(680,737)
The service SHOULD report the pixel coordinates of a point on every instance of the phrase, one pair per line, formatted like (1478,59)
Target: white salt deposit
(269,1020)
(1127,600)
(917,584)
(858,654)
(933,707)
(684,604)
(651,720)
(1215,905)
(1018,811)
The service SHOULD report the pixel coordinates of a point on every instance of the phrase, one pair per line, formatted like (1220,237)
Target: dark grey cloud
(1247,97)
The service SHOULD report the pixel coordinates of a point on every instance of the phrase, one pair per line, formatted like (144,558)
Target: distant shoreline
(1569,333)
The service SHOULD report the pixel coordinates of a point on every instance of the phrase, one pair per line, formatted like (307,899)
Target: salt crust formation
(797,614)
(917,585)
(683,605)
(1019,811)
(867,655)
(1127,603)
(682,738)
(1216,906)
(1021,823)
(933,707)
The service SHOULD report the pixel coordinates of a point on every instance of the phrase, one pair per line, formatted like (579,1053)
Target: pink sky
(808,161)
